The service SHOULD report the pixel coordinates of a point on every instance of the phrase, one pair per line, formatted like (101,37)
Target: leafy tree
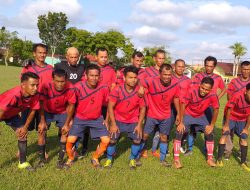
(238,50)
(20,49)
(52,29)
(6,39)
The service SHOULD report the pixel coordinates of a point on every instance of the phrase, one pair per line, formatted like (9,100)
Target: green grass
(195,174)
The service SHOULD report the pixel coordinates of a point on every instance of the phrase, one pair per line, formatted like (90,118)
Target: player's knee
(112,142)
(145,136)
(71,139)
(243,142)
(225,133)
(105,140)
(163,138)
(136,142)
(243,136)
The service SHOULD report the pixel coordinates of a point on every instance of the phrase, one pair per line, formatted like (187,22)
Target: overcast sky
(190,29)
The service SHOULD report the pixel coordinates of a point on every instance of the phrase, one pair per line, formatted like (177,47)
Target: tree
(52,29)
(238,51)
(6,39)
(20,49)
(149,53)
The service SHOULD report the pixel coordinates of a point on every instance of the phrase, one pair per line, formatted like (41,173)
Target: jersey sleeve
(231,88)
(71,95)
(7,101)
(105,95)
(221,84)
(114,95)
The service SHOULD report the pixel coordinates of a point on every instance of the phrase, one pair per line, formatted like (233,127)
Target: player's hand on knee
(177,120)
(22,133)
(65,129)
(225,129)
(113,130)
(244,131)
(209,129)
(42,127)
(138,131)
(181,128)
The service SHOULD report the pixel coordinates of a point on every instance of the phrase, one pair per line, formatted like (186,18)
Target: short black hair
(159,51)
(132,69)
(27,75)
(245,63)
(59,73)
(39,45)
(208,80)
(93,67)
(210,58)
(137,54)
(248,87)
(179,60)
(100,49)
(165,66)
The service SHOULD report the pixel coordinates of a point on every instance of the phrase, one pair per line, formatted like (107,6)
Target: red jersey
(159,97)
(141,75)
(56,101)
(151,72)
(184,83)
(237,85)
(12,102)
(218,81)
(45,73)
(240,109)
(107,76)
(127,108)
(90,101)
(197,105)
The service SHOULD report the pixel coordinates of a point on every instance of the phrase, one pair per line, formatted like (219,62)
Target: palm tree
(238,51)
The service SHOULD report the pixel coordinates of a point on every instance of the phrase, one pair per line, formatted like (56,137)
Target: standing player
(75,73)
(184,83)
(126,111)
(43,70)
(236,85)
(237,118)
(161,92)
(193,107)
(210,64)
(57,105)
(90,96)
(137,61)
(153,71)
(16,100)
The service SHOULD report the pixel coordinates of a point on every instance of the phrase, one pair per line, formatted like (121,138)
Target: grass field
(195,174)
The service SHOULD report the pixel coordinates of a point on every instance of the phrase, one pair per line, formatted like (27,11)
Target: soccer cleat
(68,164)
(155,154)
(95,163)
(138,162)
(60,165)
(26,166)
(108,164)
(183,150)
(188,153)
(177,164)
(245,167)
(165,163)
(132,164)
(41,163)
(82,155)
(144,154)
(227,156)
(219,163)
(211,163)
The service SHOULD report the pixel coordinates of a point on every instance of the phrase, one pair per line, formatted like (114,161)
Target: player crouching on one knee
(126,111)
(237,118)
(57,105)
(193,106)
(17,100)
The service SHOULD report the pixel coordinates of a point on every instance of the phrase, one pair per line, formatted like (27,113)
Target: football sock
(134,151)
(101,148)
(110,151)
(163,150)
(177,145)
(210,149)
(22,145)
(221,148)
(62,151)
(42,152)
(243,155)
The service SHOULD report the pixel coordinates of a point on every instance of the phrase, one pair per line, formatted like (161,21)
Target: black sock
(85,142)
(22,145)
(42,152)
(62,151)
(221,149)
(243,156)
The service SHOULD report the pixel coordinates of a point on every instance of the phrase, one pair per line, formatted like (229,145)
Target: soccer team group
(100,102)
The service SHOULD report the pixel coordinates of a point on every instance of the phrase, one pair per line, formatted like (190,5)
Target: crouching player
(17,100)
(237,112)
(192,111)
(126,111)
(57,105)
(91,96)
(161,91)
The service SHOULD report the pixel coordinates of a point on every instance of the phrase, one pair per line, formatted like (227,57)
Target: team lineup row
(98,101)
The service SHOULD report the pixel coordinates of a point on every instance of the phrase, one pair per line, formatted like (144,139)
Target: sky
(189,29)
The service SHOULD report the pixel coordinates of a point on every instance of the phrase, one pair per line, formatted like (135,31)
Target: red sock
(177,145)
(210,149)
